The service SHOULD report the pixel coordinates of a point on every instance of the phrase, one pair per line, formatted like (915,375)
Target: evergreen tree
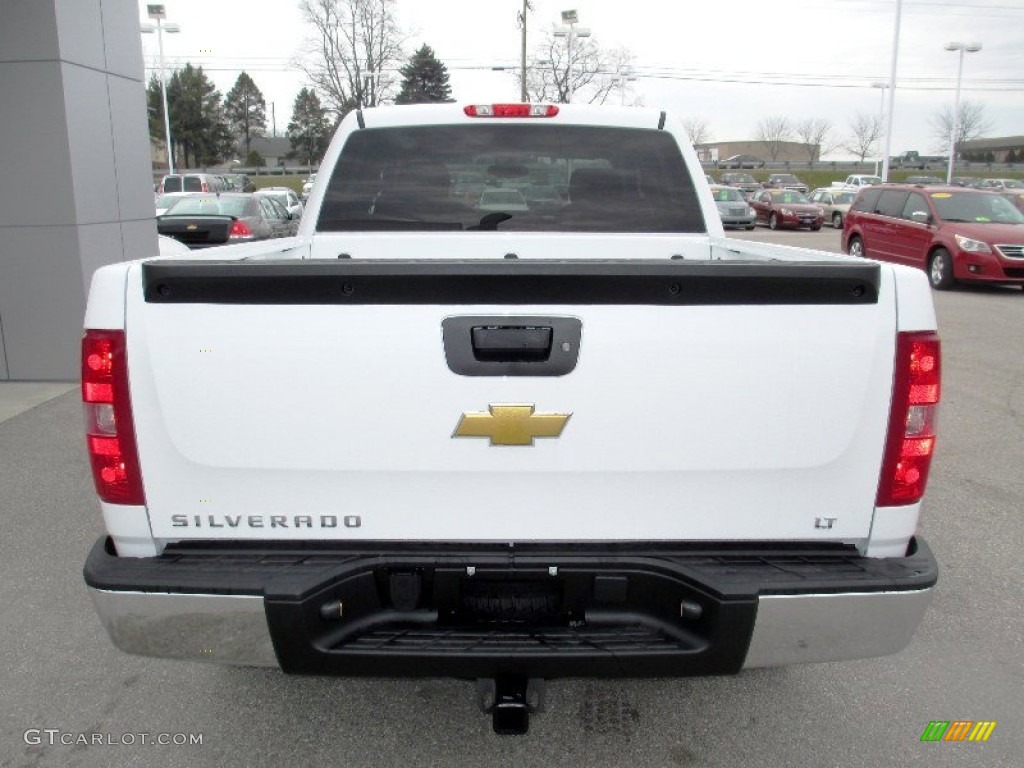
(199,131)
(309,130)
(246,111)
(424,79)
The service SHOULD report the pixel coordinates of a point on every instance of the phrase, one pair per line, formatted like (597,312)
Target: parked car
(741,161)
(1006,184)
(925,181)
(285,196)
(733,208)
(502,200)
(191,182)
(240,182)
(201,221)
(307,186)
(786,208)
(858,181)
(741,181)
(709,178)
(950,232)
(835,202)
(786,181)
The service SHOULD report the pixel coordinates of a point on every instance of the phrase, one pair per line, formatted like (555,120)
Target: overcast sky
(731,63)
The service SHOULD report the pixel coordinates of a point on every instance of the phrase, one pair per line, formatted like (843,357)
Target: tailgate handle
(511,343)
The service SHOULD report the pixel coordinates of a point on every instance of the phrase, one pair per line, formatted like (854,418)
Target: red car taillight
(911,440)
(109,433)
(239,229)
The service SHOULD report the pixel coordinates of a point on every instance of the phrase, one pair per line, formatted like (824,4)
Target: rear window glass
(511,177)
(172,184)
(209,206)
(193,184)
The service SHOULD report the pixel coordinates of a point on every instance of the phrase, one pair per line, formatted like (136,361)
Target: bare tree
(814,133)
(971,123)
(865,132)
(697,129)
(353,47)
(773,132)
(592,77)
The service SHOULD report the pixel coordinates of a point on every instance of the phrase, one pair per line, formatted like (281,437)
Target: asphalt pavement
(59,672)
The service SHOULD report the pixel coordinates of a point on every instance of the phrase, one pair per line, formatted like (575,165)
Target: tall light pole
(571,33)
(881,115)
(892,91)
(157,12)
(963,48)
(523,96)
(625,76)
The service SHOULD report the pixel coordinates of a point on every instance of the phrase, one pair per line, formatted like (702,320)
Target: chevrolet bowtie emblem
(511,424)
(191,227)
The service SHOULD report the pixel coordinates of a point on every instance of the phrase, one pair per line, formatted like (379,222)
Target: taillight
(911,440)
(204,187)
(110,436)
(239,229)
(510,110)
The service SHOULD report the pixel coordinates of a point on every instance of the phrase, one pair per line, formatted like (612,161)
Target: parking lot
(966,661)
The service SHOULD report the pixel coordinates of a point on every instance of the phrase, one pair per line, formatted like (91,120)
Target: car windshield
(1013,184)
(741,178)
(976,207)
(843,198)
(786,178)
(789,197)
(201,205)
(728,196)
(453,177)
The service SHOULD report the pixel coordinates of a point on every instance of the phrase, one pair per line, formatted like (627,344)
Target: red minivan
(952,233)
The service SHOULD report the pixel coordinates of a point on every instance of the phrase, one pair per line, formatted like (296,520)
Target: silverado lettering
(262,521)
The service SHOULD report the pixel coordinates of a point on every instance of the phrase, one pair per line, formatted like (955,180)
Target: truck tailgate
(315,400)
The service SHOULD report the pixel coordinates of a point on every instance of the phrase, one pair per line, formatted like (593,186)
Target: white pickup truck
(588,438)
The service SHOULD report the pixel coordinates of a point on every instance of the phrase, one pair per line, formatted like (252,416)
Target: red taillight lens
(911,440)
(110,436)
(204,187)
(240,229)
(510,110)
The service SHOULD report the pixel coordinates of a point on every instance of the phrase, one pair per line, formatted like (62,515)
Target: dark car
(240,182)
(741,181)
(202,221)
(952,233)
(785,181)
(786,208)
(741,161)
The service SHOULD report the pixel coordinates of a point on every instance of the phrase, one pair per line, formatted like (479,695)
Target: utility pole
(523,96)
(273,119)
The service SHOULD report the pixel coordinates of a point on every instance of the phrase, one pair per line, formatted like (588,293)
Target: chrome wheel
(773,222)
(837,220)
(856,247)
(940,270)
